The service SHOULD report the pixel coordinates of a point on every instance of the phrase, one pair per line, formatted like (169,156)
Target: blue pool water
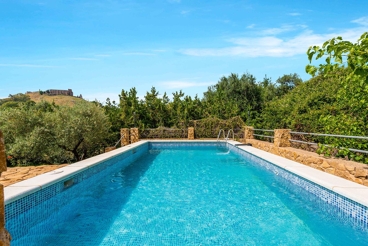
(187,196)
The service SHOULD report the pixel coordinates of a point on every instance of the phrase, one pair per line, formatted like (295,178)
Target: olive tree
(80,130)
(47,133)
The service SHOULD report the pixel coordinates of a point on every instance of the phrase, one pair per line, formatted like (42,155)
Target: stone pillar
(124,132)
(248,132)
(191,133)
(134,135)
(282,137)
(4,234)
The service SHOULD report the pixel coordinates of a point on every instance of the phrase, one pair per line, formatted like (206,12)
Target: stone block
(248,132)
(108,149)
(341,167)
(350,168)
(191,133)
(361,173)
(134,135)
(282,137)
(330,170)
(325,165)
(124,134)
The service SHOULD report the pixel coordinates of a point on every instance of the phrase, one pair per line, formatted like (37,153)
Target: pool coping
(346,188)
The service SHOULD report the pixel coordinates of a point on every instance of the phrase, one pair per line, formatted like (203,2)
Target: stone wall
(282,137)
(248,132)
(108,149)
(124,133)
(4,235)
(191,133)
(354,171)
(134,135)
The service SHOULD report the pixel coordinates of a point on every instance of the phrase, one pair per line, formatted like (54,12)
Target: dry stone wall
(248,132)
(4,235)
(191,133)
(134,135)
(124,134)
(349,170)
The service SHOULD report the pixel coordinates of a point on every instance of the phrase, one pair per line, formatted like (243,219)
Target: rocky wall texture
(248,132)
(191,133)
(108,149)
(282,137)
(4,235)
(134,135)
(124,133)
(354,171)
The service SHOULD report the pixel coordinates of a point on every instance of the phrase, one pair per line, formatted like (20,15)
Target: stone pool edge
(21,189)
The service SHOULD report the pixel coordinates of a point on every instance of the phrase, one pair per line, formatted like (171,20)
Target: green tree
(47,133)
(130,108)
(233,96)
(338,53)
(286,83)
(80,130)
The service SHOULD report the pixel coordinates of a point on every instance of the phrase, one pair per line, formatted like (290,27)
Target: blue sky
(98,48)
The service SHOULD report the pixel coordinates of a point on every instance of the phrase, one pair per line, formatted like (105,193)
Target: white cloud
(273,45)
(183,84)
(295,14)
(184,12)
(251,26)
(361,21)
(282,29)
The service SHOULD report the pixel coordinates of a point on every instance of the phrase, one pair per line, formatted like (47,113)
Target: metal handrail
(311,143)
(330,135)
(223,132)
(259,135)
(265,130)
(122,135)
(228,133)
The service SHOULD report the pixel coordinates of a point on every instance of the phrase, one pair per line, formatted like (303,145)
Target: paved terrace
(16,174)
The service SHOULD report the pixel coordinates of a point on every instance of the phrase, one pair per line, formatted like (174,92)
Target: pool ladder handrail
(223,133)
(228,133)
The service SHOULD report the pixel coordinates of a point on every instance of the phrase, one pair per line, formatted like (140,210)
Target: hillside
(59,99)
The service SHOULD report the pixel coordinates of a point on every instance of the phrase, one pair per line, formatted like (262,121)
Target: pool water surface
(187,196)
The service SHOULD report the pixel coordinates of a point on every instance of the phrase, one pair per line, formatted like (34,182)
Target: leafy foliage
(335,50)
(47,133)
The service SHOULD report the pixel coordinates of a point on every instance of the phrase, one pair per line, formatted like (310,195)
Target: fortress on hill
(53,92)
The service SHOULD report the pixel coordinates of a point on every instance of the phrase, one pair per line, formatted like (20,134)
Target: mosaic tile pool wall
(47,201)
(329,201)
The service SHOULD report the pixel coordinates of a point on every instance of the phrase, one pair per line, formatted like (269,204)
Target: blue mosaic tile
(48,200)
(329,201)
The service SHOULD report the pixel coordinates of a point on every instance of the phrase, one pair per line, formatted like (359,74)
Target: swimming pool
(183,193)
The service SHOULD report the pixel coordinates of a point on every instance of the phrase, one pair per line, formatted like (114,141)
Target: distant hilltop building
(53,92)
